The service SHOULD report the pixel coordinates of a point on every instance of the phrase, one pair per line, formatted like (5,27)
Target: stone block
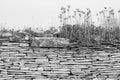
(41,60)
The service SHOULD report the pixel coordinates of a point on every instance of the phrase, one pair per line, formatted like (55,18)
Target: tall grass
(83,31)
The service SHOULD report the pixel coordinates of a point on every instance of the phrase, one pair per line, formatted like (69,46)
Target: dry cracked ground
(20,62)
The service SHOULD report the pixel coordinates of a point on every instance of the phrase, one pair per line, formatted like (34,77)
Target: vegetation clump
(80,28)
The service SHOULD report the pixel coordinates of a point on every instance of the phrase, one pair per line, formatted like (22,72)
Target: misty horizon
(19,14)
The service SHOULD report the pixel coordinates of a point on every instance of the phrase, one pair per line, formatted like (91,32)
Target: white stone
(110,79)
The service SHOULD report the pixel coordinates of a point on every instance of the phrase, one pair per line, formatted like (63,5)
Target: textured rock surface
(19,62)
(50,42)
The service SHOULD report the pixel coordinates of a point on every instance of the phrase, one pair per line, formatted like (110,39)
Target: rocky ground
(18,61)
(49,42)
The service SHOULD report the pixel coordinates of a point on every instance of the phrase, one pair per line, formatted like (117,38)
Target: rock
(110,79)
(41,60)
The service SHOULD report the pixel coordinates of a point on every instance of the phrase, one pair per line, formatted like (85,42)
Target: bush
(89,35)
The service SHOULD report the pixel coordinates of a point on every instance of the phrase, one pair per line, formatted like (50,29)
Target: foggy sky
(44,13)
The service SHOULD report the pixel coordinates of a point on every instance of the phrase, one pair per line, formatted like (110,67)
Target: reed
(83,31)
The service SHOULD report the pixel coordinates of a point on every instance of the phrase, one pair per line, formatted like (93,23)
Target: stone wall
(20,62)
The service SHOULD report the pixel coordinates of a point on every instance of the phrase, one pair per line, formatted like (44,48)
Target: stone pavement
(19,62)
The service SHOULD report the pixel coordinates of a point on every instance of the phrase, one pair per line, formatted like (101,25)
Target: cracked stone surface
(19,62)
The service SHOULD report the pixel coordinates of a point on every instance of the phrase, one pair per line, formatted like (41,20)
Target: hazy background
(20,14)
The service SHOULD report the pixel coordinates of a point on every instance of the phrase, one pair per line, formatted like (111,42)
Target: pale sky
(44,13)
